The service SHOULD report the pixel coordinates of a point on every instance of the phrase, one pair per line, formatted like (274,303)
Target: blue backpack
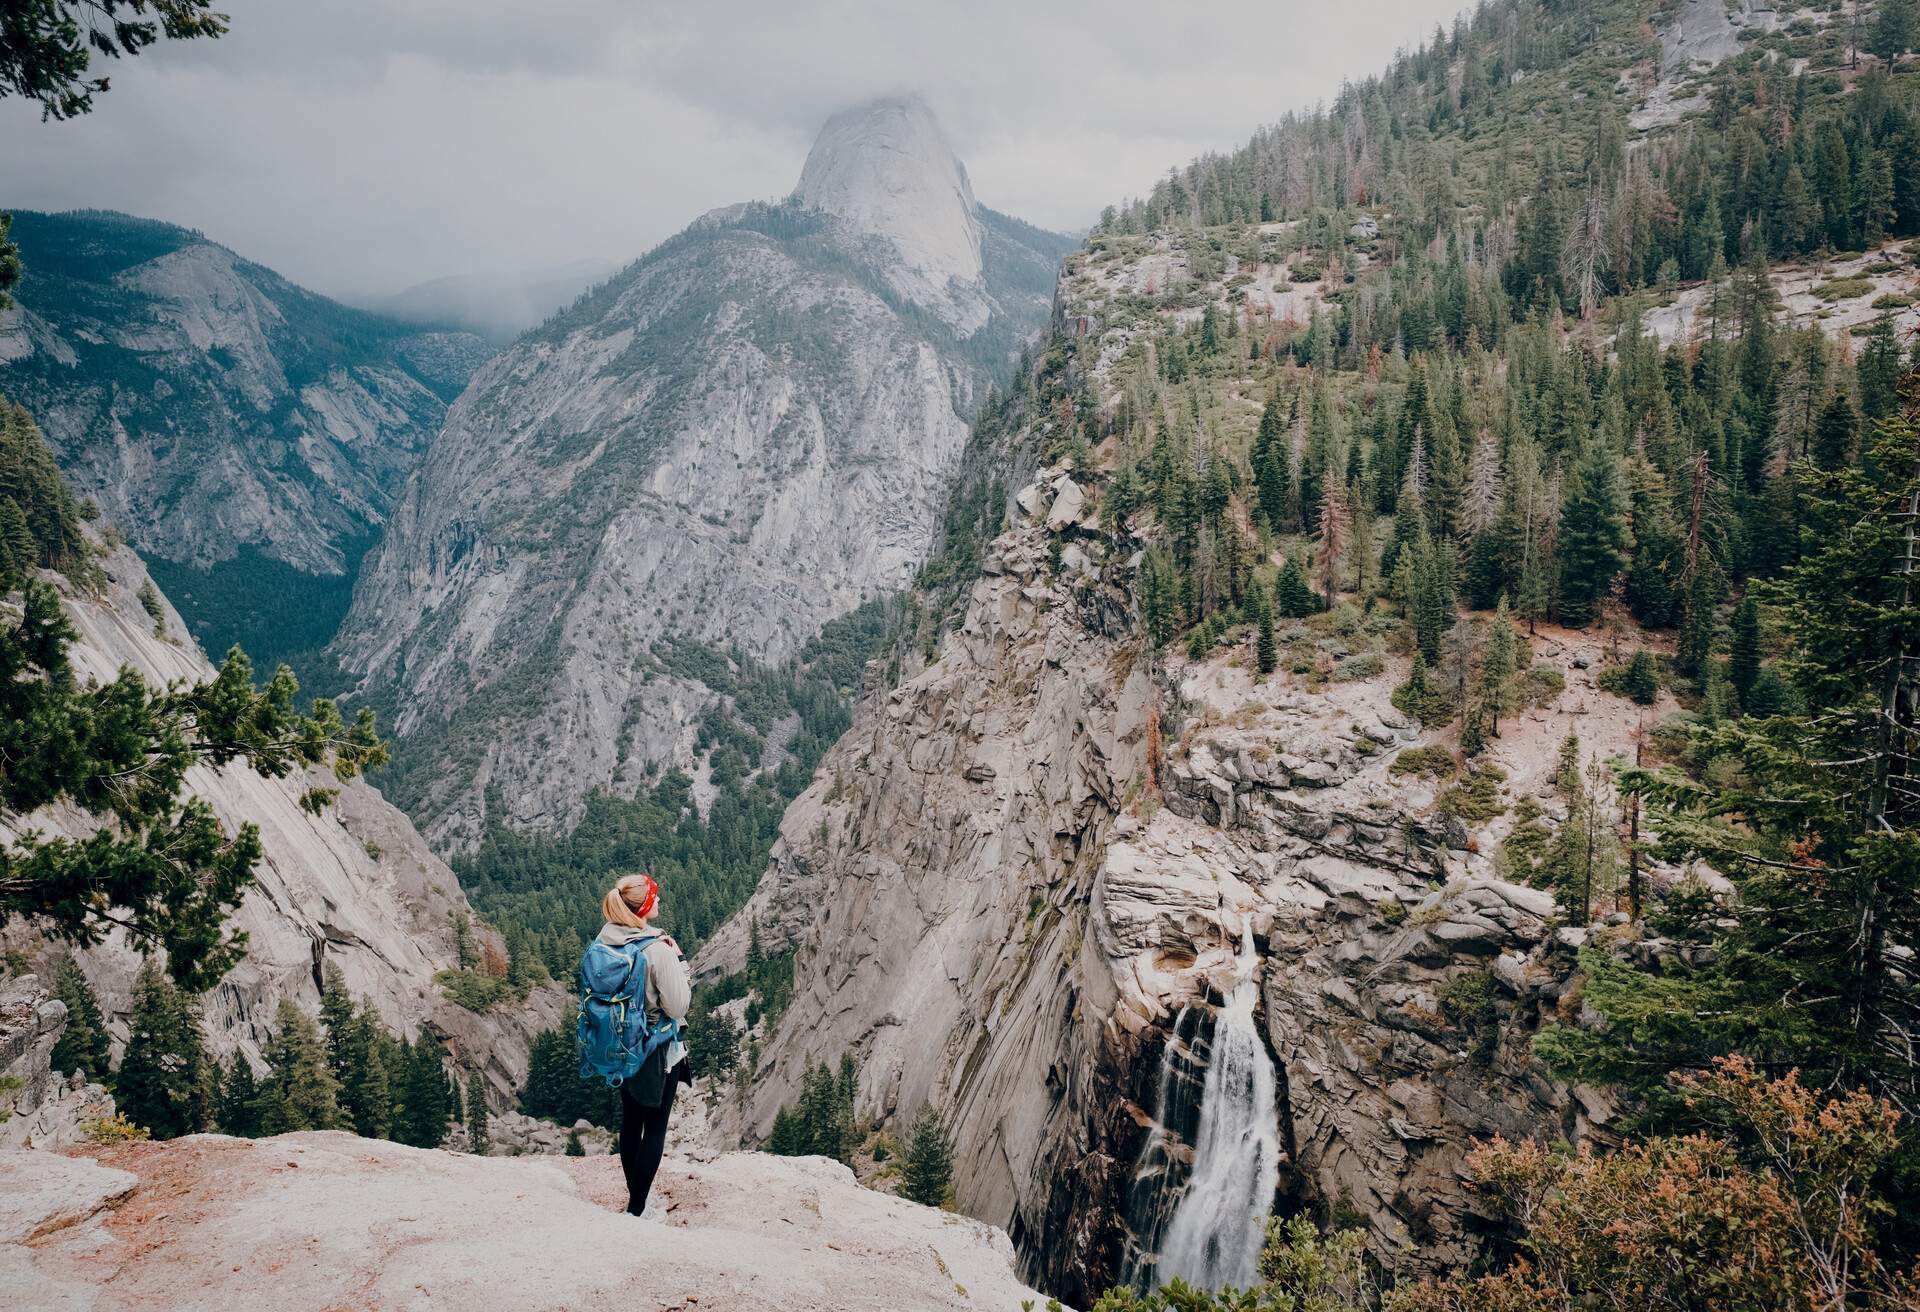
(613,1035)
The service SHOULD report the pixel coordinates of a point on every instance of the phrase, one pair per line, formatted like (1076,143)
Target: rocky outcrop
(218,413)
(39,1106)
(354,887)
(743,435)
(325,1220)
(997,906)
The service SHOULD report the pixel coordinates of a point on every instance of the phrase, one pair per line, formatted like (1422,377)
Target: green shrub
(1422,698)
(1539,685)
(1364,665)
(475,989)
(113,1129)
(1468,1000)
(1477,796)
(1844,289)
(1433,759)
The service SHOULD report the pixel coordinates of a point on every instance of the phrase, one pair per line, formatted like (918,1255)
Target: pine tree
(464,950)
(1270,459)
(83,1044)
(1743,668)
(1833,438)
(551,1074)
(164,1082)
(788,1137)
(1642,682)
(425,1107)
(237,1111)
(1697,624)
(1481,504)
(354,1059)
(524,967)
(1566,772)
(1433,604)
(158,868)
(927,1172)
(1879,371)
(844,1131)
(1266,653)
(1594,538)
(371,1102)
(1498,666)
(18,553)
(299,1091)
(1580,862)
(1292,598)
(477,1140)
(1896,25)
(574,1147)
(1158,603)
(1335,525)
(1473,730)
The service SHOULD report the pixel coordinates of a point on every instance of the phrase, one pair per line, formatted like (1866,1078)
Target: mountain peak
(887,168)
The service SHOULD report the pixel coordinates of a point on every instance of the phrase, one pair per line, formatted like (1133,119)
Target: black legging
(643,1137)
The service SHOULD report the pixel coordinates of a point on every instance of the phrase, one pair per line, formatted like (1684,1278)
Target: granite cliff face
(248,435)
(354,887)
(742,435)
(1018,889)
(887,170)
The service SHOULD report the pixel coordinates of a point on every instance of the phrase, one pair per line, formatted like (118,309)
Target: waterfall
(1151,1194)
(1215,1236)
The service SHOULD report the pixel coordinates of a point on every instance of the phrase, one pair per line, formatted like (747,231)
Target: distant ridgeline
(245,434)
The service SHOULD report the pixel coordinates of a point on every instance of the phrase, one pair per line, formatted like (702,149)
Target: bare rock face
(325,1220)
(887,169)
(354,887)
(942,877)
(743,435)
(39,1106)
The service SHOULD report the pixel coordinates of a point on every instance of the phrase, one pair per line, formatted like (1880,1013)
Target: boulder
(1068,504)
(42,1192)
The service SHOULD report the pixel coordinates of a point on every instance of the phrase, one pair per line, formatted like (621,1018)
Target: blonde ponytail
(630,901)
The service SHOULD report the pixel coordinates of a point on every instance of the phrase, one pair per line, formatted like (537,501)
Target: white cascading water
(1215,1236)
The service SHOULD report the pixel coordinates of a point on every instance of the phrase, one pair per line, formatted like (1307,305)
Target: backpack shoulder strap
(635,951)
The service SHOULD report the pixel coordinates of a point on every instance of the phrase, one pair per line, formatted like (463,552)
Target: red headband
(645,908)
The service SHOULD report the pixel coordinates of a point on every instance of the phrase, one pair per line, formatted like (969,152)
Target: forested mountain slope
(1466,553)
(247,434)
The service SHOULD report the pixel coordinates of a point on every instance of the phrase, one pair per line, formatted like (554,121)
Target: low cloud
(365,145)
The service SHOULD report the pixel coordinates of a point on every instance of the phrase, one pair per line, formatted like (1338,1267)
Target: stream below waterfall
(1219,1225)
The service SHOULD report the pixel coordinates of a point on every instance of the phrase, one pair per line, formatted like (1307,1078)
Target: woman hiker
(646,1099)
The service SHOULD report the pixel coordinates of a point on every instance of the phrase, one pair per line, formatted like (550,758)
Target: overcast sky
(361,146)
